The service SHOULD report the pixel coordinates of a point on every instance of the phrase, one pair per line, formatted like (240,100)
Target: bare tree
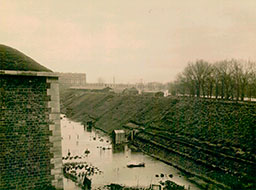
(251,87)
(227,79)
(197,73)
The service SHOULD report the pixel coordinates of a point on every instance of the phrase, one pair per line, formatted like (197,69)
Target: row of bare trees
(228,79)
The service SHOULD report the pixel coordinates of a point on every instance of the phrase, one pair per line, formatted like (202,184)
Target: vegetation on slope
(218,122)
(218,135)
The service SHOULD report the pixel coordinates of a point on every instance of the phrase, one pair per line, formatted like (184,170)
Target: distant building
(119,136)
(107,89)
(72,79)
(130,91)
(166,93)
(30,136)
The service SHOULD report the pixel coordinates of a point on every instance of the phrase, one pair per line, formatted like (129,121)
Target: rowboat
(135,164)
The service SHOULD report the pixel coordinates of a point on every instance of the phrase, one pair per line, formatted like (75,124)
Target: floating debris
(135,164)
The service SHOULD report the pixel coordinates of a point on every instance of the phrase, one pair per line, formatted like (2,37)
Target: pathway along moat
(110,162)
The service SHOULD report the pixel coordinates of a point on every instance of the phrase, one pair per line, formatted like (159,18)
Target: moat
(96,149)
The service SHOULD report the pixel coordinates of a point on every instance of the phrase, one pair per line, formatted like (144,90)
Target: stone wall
(30,138)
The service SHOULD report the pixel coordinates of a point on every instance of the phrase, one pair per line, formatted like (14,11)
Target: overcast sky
(133,40)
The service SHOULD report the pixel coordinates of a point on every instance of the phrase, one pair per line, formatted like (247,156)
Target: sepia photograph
(128,95)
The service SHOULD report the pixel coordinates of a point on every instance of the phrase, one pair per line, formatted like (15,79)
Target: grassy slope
(216,122)
(184,125)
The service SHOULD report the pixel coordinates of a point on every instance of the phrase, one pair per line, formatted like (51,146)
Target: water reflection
(119,148)
(95,148)
(89,129)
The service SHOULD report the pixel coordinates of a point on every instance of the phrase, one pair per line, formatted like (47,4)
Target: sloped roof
(12,59)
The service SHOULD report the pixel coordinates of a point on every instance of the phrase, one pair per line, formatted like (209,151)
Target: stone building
(119,136)
(130,91)
(30,136)
(72,79)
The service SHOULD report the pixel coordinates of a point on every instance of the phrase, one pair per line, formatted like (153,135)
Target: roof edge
(13,59)
(29,73)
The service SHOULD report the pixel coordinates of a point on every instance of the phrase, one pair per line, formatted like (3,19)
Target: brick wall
(30,140)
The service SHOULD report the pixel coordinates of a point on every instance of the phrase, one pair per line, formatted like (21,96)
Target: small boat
(136,164)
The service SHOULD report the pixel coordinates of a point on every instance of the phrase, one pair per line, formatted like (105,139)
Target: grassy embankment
(213,140)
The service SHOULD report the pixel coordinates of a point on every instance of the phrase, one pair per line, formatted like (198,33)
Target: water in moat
(111,160)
